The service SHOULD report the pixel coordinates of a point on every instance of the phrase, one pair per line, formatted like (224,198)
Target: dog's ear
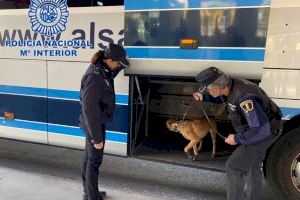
(168,123)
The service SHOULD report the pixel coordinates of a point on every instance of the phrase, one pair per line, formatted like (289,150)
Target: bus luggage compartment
(157,99)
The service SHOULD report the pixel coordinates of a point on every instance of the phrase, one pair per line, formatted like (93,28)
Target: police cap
(207,77)
(117,53)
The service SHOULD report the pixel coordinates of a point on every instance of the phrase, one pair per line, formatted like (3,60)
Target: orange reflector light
(9,115)
(189,43)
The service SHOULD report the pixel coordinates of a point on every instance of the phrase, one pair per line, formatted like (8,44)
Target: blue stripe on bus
(23,124)
(56,111)
(175,4)
(52,93)
(289,113)
(72,131)
(33,91)
(235,54)
(67,112)
(75,131)
(63,94)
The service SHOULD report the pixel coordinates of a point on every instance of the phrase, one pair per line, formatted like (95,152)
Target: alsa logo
(48,17)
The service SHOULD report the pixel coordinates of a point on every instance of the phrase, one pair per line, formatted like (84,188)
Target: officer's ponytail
(97,56)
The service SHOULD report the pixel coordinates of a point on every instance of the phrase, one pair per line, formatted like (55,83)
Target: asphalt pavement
(31,171)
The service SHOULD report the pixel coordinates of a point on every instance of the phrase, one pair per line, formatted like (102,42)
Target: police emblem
(48,17)
(247,106)
(231,106)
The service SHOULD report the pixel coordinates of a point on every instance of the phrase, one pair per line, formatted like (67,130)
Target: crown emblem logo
(48,17)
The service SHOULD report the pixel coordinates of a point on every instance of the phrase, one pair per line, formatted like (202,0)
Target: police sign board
(49,30)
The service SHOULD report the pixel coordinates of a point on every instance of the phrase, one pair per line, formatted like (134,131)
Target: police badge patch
(247,106)
(48,17)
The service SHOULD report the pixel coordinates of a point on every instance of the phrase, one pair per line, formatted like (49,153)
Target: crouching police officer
(257,122)
(97,99)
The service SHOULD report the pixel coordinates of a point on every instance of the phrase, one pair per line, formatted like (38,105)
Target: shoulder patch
(247,106)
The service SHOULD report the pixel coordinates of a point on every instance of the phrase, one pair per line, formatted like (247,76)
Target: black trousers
(90,166)
(244,171)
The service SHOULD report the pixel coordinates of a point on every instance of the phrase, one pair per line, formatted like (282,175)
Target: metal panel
(285,3)
(281,83)
(283,42)
(252,70)
(20,81)
(23,134)
(26,73)
(65,75)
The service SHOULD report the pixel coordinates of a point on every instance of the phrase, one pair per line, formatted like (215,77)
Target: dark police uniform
(256,120)
(97,99)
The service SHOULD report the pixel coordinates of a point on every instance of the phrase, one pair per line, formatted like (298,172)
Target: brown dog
(195,131)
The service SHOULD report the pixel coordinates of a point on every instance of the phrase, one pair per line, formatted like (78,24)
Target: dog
(195,131)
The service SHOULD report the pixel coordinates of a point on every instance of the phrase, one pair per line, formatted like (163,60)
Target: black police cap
(207,77)
(117,53)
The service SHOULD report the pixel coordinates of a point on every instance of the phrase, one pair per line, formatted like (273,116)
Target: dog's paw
(194,157)
(190,155)
(213,156)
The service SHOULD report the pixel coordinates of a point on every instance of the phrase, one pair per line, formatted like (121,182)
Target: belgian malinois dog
(195,131)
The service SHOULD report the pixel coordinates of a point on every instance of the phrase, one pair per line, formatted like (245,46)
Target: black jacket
(97,99)
(253,114)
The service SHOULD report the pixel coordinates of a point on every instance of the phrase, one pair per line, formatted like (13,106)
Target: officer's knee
(229,164)
(94,163)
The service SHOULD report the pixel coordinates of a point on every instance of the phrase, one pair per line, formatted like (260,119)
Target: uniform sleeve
(257,120)
(91,95)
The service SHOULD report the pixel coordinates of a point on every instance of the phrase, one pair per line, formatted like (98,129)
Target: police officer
(97,99)
(257,123)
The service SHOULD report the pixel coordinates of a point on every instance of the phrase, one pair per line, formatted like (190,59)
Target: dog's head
(172,125)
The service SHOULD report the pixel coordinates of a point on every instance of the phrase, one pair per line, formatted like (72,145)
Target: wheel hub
(295,172)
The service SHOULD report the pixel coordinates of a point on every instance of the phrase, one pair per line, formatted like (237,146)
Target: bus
(41,67)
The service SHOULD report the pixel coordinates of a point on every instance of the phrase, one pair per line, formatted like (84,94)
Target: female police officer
(97,99)
(256,120)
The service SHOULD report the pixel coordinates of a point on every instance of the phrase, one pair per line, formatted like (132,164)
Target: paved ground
(40,172)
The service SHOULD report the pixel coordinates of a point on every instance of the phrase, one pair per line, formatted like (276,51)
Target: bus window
(80,3)
(18,4)
(110,2)
(14,4)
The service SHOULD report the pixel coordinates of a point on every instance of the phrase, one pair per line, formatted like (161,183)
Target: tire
(283,167)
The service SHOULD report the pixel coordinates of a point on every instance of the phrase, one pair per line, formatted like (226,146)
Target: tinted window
(18,4)
(86,3)
(244,27)
(14,4)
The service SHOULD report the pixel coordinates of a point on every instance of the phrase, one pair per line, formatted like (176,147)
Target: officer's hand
(198,96)
(230,139)
(99,146)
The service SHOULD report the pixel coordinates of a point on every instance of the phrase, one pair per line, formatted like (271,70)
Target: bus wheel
(283,167)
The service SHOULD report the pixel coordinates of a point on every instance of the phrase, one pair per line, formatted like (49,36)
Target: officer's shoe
(102,195)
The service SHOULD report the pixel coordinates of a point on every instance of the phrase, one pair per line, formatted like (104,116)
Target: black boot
(102,195)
